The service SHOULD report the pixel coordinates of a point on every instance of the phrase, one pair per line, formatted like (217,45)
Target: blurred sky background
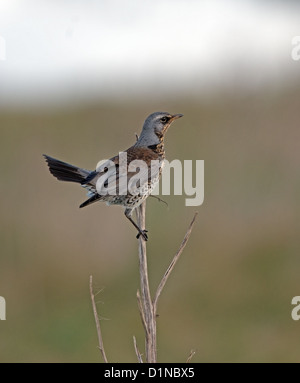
(65,51)
(77,80)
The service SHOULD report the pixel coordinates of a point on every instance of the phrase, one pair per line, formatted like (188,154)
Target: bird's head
(155,127)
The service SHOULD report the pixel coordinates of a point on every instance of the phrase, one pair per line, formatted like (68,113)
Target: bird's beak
(176,116)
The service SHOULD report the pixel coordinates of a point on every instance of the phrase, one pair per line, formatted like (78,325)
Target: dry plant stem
(147,307)
(101,346)
(140,306)
(145,304)
(172,264)
(138,354)
(192,353)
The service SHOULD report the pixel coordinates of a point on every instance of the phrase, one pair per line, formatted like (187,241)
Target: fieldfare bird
(123,180)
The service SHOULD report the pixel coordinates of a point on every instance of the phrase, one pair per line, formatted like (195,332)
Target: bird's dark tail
(66,172)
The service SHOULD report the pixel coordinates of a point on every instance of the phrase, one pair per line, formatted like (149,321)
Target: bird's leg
(142,233)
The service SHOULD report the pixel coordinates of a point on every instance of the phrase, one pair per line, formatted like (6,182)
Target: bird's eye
(164,119)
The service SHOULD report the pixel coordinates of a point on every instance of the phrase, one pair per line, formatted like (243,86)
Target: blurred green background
(229,297)
(76,83)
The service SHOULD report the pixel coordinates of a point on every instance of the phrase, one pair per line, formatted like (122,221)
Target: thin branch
(147,305)
(141,310)
(173,263)
(101,346)
(138,354)
(192,353)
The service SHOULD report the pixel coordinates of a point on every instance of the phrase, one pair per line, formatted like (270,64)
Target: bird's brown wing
(112,176)
(144,166)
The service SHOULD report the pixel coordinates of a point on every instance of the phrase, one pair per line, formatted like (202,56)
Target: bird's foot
(143,233)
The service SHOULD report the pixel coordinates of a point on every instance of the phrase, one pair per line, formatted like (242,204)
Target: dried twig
(138,354)
(101,346)
(192,353)
(172,264)
(140,306)
(147,307)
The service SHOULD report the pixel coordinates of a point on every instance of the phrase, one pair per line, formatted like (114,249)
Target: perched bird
(116,181)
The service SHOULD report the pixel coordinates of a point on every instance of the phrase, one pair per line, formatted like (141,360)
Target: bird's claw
(143,233)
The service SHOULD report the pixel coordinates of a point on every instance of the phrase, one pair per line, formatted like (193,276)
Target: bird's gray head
(155,127)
